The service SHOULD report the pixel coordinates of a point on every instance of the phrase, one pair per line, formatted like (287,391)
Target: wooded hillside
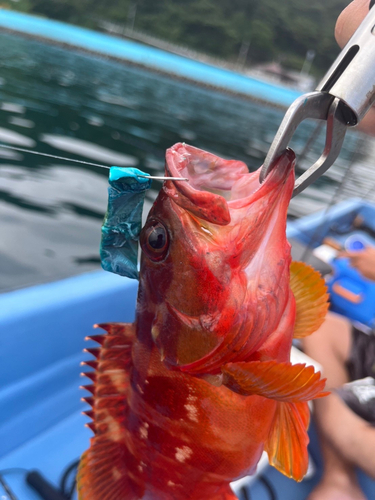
(281,30)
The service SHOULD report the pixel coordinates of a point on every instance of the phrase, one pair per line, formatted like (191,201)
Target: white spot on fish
(192,410)
(155,332)
(116,474)
(182,454)
(140,389)
(118,379)
(114,430)
(141,466)
(143,430)
(171,483)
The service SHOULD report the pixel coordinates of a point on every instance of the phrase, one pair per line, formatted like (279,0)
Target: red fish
(186,399)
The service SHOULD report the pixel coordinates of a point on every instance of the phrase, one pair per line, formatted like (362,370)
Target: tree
(271,29)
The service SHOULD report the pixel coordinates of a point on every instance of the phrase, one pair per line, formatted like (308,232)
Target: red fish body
(186,399)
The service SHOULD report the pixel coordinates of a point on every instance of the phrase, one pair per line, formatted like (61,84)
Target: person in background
(347,441)
(345,353)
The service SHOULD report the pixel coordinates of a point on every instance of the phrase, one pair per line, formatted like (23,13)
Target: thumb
(349,20)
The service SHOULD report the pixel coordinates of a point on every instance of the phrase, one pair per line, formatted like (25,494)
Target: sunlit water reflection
(64,103)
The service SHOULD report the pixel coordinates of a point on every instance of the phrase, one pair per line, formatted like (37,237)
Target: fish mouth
(215,185)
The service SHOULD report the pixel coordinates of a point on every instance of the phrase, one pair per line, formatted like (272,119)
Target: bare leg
(347,441)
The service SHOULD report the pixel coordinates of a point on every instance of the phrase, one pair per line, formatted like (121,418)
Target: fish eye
(155,241)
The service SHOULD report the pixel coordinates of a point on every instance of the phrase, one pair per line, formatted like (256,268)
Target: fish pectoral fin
(274,380)
(311,296)
(291,386)
(287,442)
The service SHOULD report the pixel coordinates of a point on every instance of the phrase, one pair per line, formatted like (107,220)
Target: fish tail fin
(287,442)
(311,296)
(102,473)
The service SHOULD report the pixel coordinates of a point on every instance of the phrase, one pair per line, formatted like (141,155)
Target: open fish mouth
(224,268)
(218,184)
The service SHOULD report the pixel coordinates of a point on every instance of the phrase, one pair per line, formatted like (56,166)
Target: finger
(343,254)
(349,253)
(347,23)
(349,20)
(367,124)
(353,256)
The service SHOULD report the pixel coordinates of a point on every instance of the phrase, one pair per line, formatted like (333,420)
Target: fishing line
(53,156)
(156,177)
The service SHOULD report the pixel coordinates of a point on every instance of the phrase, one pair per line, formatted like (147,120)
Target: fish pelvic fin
(287,441)
(273,380)
(102,473)
(311,297)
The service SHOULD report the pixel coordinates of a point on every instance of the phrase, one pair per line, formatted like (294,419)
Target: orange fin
(103,476)
(274,380)
(102,473)
(311,296)
(287,442)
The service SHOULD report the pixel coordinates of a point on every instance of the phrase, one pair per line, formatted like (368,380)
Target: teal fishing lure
(123,221)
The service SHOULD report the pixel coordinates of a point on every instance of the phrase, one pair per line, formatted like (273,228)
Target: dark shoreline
(120,60)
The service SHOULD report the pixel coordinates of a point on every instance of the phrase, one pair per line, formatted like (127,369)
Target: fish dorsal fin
(287,442)
(274,380)
(311,296)
(102,472)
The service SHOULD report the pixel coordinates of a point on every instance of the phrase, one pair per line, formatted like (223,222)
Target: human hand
(363,261)
(348,21)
